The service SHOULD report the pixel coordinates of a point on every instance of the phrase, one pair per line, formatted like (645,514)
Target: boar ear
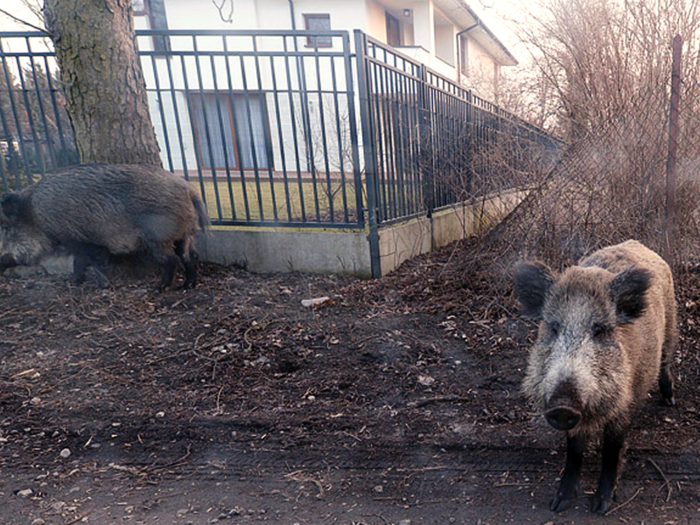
(628,291)
(532,281)
(11,206)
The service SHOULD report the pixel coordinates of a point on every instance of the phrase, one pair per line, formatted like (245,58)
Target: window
(464,54)
(393,31)
(444,39)
(318,23)
(236,135)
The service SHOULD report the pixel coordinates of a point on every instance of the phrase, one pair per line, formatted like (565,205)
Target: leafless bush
(608,187)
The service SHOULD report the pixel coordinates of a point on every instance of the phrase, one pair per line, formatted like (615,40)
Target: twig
(36,28)
(615,509)
(666,482)
(437,399)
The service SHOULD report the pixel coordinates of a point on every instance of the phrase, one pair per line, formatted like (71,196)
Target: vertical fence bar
(425,105)
(369,152)
(354,143)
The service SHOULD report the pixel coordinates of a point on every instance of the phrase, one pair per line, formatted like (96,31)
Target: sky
(17,8)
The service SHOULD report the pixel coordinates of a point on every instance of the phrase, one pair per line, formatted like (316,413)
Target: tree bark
(102,77)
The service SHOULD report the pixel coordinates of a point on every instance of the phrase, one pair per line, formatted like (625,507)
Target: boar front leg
(613,442)
(568,488)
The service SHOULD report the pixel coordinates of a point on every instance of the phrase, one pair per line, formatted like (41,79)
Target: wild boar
(606,335)
(97,210)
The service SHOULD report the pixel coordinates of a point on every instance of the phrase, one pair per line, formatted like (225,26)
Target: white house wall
(226,73)
(482,74)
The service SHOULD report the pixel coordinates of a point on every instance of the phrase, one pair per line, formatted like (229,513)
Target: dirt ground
(394,402)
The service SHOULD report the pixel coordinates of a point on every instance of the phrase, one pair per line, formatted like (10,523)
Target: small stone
(65,453)
(308,303)
(38,521)
(426,380)
(378,489)
(25,493)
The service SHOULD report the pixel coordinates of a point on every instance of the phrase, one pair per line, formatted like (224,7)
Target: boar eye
(554,328)
(599,330)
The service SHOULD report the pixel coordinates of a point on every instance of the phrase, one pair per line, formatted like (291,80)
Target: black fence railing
(432,142)
(286,128)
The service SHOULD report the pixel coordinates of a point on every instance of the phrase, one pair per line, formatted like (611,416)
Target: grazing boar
(606,335)
(97,210)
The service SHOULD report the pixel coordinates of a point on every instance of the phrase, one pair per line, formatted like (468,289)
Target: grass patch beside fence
(278,201)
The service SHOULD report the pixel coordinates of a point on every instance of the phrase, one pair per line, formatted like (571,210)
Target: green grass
(272,198)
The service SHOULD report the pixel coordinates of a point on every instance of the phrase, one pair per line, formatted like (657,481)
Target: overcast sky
(17,8)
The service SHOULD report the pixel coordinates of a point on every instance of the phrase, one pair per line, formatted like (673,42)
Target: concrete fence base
(348,252)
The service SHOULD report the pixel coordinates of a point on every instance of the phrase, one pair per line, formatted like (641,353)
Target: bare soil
(395,401)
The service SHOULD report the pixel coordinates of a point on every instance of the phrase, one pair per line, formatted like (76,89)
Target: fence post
(369,152)
(427,146)
(669,225)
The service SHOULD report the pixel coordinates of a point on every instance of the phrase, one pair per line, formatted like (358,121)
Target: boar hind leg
(613,442)
(568,488)
(665,378)
(85,255)
(185,251)
(167,265)
(666,385)
(164,255)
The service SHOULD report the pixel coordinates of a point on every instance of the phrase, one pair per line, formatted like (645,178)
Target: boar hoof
(562,502)
(601,504)
(563,418)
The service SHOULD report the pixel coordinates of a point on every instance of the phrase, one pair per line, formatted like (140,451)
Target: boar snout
(563,417)
(562,410)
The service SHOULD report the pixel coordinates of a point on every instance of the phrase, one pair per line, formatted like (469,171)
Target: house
(446,35)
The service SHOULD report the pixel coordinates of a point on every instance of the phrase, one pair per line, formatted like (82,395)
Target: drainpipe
(459,49)
(291,14)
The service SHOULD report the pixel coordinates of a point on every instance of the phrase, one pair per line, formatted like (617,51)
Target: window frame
(318,41)
(226,104)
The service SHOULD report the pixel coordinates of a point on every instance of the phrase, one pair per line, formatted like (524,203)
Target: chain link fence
(612,186)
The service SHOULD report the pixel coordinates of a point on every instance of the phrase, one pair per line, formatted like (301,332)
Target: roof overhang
(469,22)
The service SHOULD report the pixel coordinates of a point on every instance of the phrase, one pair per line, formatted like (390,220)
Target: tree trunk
(102,77)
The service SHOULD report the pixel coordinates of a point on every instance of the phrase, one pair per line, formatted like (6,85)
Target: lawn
(278,201)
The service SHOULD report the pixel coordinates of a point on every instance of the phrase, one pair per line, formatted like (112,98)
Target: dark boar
(97,210)
(607,333)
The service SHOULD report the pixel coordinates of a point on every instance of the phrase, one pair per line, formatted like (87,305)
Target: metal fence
(433,143)
(286,128)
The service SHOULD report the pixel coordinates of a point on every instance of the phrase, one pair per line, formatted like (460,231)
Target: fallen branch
(663,476)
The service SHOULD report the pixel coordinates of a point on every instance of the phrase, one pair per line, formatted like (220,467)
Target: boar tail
(203,216)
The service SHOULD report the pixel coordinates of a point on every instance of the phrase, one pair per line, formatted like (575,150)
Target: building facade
(446,35)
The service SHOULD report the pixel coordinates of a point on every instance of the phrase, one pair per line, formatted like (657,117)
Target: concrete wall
(398,243)
(342,252)
(287,250)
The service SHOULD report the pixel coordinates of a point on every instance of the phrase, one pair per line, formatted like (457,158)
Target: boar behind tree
(607,333)
(95,210)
